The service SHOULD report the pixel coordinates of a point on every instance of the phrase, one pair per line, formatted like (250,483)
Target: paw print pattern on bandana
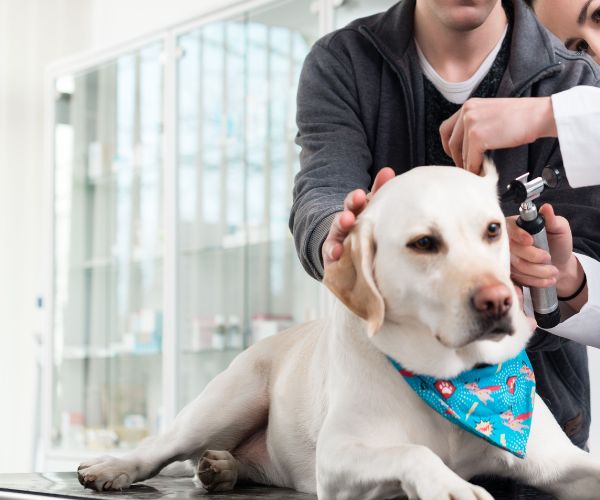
(493,402)
(445,388)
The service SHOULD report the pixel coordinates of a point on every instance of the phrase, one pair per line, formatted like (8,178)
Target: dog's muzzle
(491,304)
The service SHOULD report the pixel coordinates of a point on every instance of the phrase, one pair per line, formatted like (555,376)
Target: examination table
(65,485)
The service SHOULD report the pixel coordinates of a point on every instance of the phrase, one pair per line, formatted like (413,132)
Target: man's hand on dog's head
(344,221)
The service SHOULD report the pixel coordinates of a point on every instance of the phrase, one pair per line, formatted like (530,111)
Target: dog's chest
(404,417)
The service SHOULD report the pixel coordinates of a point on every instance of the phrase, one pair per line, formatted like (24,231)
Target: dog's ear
(488,170)
(351,278)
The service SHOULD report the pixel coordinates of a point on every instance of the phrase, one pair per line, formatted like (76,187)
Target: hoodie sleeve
(335,157)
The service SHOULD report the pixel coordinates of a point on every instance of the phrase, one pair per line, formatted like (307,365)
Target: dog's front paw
(218,471)
(106,473)
(453,488)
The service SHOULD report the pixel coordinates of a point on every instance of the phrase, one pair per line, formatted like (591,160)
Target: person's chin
(467,18)
(464,24)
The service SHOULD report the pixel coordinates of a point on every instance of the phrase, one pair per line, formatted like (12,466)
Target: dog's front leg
(554,464)
(349,469)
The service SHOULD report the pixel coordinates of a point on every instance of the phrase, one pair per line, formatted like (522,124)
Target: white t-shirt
(459,92)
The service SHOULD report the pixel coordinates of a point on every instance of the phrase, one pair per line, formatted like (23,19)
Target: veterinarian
(571,115)
(376,92)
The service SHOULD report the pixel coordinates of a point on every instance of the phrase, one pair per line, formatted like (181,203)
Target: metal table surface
(65,485)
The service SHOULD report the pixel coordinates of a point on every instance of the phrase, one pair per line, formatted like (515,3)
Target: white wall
(32,33)
(118,20)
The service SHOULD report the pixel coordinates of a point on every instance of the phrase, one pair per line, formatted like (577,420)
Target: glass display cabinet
(107,326)
(239,277)
(172,163)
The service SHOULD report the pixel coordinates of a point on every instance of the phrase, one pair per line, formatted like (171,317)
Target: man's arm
(354,203)
(335,157)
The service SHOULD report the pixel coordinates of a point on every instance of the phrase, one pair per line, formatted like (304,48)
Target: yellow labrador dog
(424,279)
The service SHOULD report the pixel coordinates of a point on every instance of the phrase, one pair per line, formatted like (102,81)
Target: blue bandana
(494,402)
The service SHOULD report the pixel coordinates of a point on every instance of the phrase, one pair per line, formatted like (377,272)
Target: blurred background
(146,168)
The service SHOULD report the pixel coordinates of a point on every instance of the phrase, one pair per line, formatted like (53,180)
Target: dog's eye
(425,244)
(493,230)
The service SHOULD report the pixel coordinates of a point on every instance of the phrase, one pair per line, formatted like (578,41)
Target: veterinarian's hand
(533,267)
(354,204)
(482,125)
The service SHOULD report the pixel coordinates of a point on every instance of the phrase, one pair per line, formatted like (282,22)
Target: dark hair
(529,3)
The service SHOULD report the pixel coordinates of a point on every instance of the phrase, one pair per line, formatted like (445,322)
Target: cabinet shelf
(100,262)
(72,353)
(234,243)
(210,351)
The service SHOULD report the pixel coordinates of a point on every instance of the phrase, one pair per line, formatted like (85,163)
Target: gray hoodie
(360,108)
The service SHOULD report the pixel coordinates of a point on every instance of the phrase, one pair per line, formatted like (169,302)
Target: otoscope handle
(545,300)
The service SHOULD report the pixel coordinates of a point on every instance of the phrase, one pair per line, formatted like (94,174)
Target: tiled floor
(66,485)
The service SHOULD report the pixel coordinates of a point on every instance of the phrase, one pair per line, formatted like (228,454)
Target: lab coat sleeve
(584,326)
(577,115)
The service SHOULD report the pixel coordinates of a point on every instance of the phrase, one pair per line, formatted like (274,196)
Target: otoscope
(545,300)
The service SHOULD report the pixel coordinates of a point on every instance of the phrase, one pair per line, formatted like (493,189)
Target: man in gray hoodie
(374,94)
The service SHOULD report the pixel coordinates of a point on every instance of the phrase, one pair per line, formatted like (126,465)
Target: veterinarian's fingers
(384,175)
(517,234)
(446,129)
(532,281)
(560,239)
(473,151)
(545,271)
(530,254)
(456,141)
(554,223)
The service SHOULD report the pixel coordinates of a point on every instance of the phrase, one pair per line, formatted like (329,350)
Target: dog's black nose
(492,301)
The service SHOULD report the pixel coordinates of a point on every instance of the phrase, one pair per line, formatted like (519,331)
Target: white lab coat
(577,116)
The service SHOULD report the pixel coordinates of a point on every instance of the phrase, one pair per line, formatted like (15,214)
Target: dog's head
(428,268)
